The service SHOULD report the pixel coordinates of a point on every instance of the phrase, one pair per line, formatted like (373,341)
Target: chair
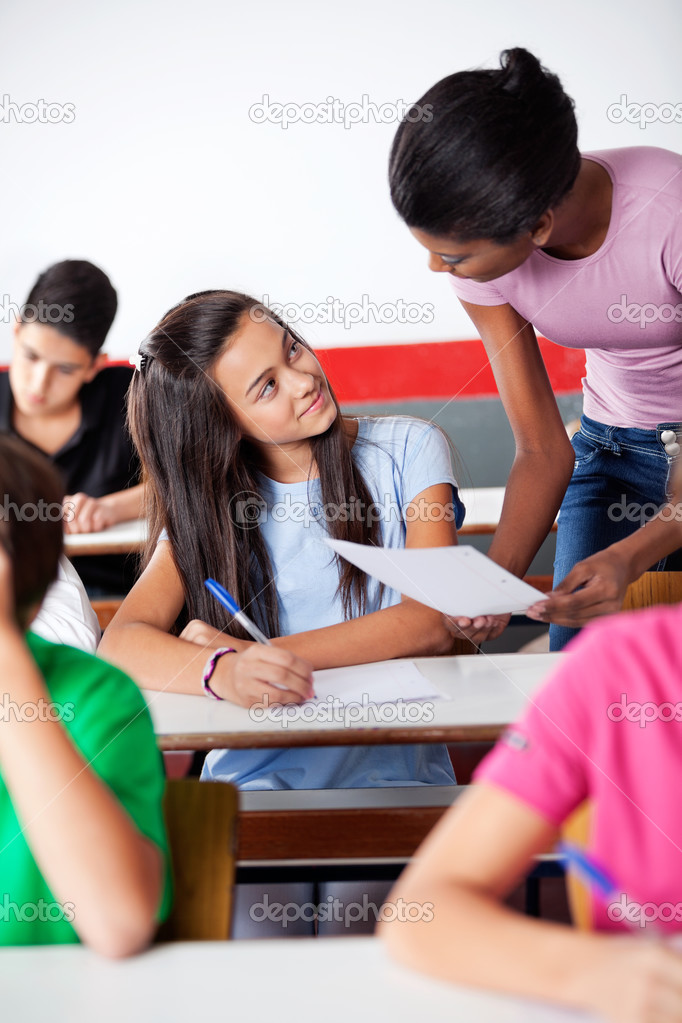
(654,588)
(576,830)
(105,611)
(201,822)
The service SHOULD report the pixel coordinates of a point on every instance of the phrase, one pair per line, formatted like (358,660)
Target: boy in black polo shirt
(59,396)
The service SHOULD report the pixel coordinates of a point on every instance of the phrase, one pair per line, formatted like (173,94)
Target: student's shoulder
(642,649)
(111,384)
(94,690)
(5,394)
(648,167)
(396,430)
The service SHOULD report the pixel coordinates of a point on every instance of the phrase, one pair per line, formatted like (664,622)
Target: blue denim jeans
(620,480)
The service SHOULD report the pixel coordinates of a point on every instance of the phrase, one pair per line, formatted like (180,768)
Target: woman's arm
(138,641)
(84,842)
(605,576)
(473,858)
(85,514)
(544,458)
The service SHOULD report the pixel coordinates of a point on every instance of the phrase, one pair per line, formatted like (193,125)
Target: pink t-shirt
(622,304)
(608,727)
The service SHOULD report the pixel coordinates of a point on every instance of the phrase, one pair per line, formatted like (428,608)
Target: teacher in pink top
(587,249)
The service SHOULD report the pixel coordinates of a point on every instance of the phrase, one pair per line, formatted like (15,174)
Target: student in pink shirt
(587,249)
(607,727)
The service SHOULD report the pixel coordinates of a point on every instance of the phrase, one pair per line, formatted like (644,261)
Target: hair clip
(140,360)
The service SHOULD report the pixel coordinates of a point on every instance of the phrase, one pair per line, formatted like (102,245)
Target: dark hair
(196,465)
(77,299)
(31,524)
(499,149)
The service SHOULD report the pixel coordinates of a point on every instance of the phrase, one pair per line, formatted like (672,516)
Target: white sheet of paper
(454,580)
(383,682)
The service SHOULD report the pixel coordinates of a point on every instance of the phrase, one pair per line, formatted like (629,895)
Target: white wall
(164,181)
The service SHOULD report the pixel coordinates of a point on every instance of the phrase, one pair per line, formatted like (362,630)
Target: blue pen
(604,885)
(590,871)
(221,594)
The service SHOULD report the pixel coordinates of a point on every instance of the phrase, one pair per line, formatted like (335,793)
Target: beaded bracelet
(209,668)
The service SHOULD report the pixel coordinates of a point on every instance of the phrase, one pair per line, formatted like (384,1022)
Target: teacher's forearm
(648,545)
(535,489)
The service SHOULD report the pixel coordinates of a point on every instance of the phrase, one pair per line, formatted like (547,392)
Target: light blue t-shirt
(399,457)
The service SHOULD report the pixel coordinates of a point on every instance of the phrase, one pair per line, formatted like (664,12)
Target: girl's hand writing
(263,671)
(642,983)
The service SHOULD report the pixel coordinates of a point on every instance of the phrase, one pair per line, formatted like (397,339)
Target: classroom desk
(483,504)
(123,538)
(485,694)
(484,508)
(336,979)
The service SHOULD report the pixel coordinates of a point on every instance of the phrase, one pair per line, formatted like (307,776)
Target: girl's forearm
(157,660)
(535,489)
(469,938)
(408,629)
(88,849)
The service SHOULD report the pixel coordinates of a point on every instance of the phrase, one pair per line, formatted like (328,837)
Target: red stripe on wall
(436,369)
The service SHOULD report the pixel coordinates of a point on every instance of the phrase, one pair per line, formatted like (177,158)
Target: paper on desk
(454,580)
(384,682)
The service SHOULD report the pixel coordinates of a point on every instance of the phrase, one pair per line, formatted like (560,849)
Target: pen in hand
(221,595)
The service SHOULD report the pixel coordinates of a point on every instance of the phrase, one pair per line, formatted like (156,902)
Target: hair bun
(521,72)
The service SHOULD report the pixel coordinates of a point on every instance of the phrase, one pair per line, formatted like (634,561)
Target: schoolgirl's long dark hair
(483,154)
(201,475)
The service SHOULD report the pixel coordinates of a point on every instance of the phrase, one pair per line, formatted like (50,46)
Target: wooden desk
(123,538)
(337,979)
(485,694)
(484,508)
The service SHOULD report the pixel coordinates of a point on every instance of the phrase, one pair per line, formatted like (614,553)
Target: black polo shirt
(98,459)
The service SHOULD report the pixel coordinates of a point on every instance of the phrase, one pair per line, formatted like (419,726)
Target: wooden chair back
(201,819)
(654,588)
(576,830)
(105,610)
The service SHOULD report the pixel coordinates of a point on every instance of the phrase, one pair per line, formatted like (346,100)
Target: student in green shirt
(83,852)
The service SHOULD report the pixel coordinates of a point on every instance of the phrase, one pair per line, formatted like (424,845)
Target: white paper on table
(454,580)
(383,682)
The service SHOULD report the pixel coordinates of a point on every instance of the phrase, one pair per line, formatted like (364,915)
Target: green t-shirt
(107,719)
